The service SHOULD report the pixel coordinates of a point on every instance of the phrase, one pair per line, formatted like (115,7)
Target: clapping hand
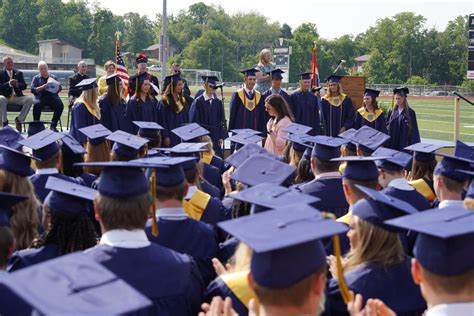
(373,307)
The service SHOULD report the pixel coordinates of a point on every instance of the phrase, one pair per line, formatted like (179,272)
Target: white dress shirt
(451,203)
(123,238)
(465,309)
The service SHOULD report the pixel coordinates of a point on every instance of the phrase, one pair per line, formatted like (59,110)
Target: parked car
(154,68)
(438,94)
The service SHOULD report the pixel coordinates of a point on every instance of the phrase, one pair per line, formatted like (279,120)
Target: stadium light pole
(163,42)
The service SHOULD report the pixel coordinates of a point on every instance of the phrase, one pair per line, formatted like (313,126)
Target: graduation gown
(305,107)
(133,83)
(210,189)
(210,114)
(413,197)
(169,279)
(337,113)
(203,207)
(39,183)
(246,112)
(402,128)
(425,187)
(140,111)
(188,236)
(113,116)
(81,117)
(213,175)
(88,179)
(391,284)
(330,191)
(170,120)
(27,257)
(214,160)
(376,120)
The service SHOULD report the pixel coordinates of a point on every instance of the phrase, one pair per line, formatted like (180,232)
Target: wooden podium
(354,87)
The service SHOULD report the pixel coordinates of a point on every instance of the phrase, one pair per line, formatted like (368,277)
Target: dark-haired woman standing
(280,117)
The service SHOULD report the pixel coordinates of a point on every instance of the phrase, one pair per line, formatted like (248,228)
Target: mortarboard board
(71,145)
(186,148)
(276,73)
(372,93)
(378,207)
(15,161)
(396,160)
(169,170)
(305,75)
(35,127)
(10,137)
(423,151)
(403,91)
(262,168)
(87,84)
(7,201)
(120,179)
(68,197)
(248,150)
(445,239)
(244,138)
(112,79)
(470,190)
(449,167)
(359,168)
(299,142)
(95,133)
(334,78)
(210,79)
(141,58)
(369,139)
(190,131)
(295,128)
(349,135)
(126,145)
(285,242)
(251,72)
(74,284)
(463,150)
(245,131)
(44,144)
(327,148)
(148,129)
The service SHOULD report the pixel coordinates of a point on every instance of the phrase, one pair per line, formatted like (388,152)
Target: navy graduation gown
(81,117)
(113,116)
(391,284)
(241,116)
(210,189)
(413,197)
(28,257)
(39,183)
(375,120)
(213,175)
(305,107)
(210,114)
(190,237)
(330,193)
(337,116)
(219,288)
(137,110)
(402,128)
(88,179)
(227,249)
(169,279)
(170,120)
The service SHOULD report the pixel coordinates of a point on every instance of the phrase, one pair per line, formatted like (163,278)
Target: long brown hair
(281,106)
(113,95)
(24,221)
(95,153)
(169,99)
(423,169)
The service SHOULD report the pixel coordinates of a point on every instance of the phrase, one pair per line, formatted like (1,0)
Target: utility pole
(209,60)
(163,42)
(222,63)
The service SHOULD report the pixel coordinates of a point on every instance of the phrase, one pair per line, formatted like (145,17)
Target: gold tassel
(346,295)
(154,223)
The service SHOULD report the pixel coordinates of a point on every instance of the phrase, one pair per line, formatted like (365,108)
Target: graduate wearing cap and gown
(370,114)
(173,110)
(70,206)
(276,79)
(402,125)
(208,111)
(150,131)
(338,111)
(169,279)
(85,111)
(10,137)
(305,105)
(142,106)
(72,152)
(247,108)
(112,107)
(134,80)
(388,276)
(45,147)
(127,146)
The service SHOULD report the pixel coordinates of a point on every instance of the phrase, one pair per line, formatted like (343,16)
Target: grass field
(435,116)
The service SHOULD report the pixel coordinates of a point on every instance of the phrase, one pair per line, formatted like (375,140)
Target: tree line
(401,48)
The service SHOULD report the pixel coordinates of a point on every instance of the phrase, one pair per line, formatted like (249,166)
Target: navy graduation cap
(403,91)
(186,148)
(10,137)
(276,73)
(334,78)
(369,139)
(262,168)
(299,142)
(126,145)
(74,284)
(34,127)
(305,75)
(190,131)
(244,138)
(449,167)
(95,133)
(245,131)
(148,129)
(68,197)
(286,243)
(112,79)
(423,151)
(378,207)
(7,201)
(251,72)
(87,84)
(463,150)
(372,93)
(445,239)
(15,161)
(295,128)
(326,147)
(71,145)
(210,79)
(169,170)
(349,135)
(359,168)
(239,156)
(396,160)
(44,144)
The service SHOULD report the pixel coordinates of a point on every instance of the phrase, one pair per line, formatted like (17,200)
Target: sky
(332,18)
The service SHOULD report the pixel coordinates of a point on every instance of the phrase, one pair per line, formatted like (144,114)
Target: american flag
(121,69)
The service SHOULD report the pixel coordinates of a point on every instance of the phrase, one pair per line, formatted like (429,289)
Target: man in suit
(75,79)
(12,85)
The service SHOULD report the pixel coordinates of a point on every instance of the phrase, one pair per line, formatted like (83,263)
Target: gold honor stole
(423,188)
(206,158)
(196,205)
(91,110)
(249,104)
(346,219)
(368,116)
(335,101)
(237,283)
(180,105)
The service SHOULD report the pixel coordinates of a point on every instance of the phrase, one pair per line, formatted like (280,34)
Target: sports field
(435,115)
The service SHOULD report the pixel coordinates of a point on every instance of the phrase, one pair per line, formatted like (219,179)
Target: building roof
(362,58)
(153,47)
(57,41)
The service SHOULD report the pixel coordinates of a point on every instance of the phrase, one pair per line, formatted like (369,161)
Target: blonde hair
(241,258)
(24,221)
(90,97)
(109,63)
(340,91)
(469,203)
(374,245)
(209,146)
(263,52)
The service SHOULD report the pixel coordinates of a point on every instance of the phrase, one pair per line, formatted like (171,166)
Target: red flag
(314,68)
(121,69)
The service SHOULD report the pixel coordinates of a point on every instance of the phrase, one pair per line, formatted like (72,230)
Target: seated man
(45,89)
(12,85)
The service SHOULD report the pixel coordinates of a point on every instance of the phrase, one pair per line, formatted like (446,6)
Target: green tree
(101,41)
(138,32)
(51,19)
(286,31)
(302,44)
(77,24)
